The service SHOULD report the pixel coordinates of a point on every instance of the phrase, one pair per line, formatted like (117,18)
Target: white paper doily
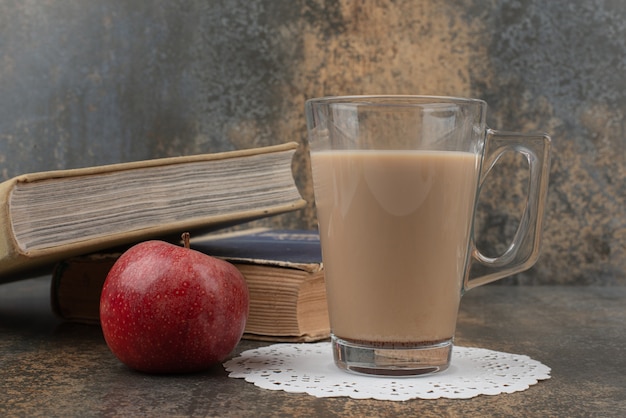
(309,368)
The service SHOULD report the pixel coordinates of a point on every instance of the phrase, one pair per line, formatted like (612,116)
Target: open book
(49,216)
(282,268)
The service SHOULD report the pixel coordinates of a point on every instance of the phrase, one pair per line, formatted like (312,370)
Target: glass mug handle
(523,251)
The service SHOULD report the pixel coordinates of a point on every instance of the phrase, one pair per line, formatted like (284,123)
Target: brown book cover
(283,270)
(49,216)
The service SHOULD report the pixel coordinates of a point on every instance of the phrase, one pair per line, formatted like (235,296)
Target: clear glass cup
(396,179)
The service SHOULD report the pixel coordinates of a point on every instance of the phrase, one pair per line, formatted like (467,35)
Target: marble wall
(86,82)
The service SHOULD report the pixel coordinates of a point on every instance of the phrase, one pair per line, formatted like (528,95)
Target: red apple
(169,309)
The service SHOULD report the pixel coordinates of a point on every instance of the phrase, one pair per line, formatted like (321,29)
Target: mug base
(393,361)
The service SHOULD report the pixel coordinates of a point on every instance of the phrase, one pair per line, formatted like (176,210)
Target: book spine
(9,251)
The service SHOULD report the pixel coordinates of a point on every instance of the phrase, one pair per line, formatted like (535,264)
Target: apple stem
(185,238)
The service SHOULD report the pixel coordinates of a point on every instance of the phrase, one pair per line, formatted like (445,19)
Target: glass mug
(396,180)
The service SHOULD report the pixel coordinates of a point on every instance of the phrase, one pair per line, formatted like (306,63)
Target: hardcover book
(283,270)
(49,216)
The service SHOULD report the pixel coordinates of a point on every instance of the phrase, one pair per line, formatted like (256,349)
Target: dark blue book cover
(286,248)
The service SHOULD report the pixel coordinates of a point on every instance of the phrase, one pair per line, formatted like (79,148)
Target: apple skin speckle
(170,309)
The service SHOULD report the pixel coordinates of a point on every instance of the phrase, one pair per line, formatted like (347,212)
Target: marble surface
(85,83)
(51,368)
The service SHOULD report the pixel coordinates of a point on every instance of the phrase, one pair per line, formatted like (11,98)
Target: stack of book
(74,223)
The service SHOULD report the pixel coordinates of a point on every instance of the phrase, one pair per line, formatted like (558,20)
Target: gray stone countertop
(52,368)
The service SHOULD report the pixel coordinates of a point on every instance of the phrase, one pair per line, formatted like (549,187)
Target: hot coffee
(394,229)
(396,180)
